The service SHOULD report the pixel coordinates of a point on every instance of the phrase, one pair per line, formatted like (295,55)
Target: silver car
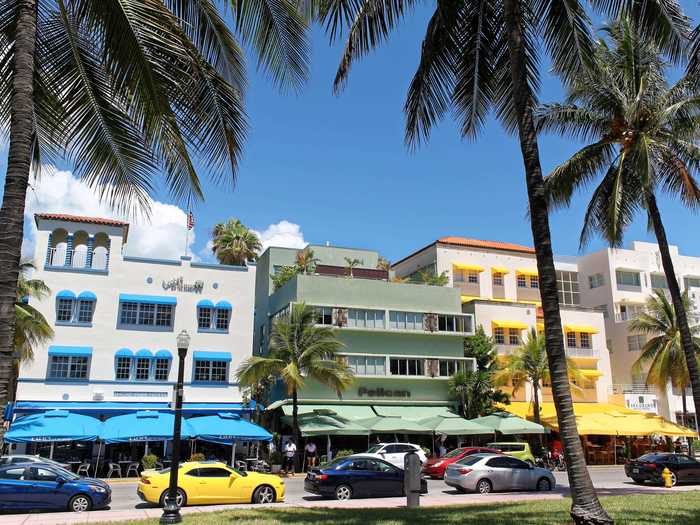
(486,473)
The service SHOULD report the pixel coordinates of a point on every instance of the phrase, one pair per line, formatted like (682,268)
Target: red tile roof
(83,219)
(493,245)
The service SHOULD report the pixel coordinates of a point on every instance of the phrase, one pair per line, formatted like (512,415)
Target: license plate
(635,470)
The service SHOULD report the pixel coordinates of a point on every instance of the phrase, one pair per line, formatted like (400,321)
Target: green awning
(506,423)
(347,412)
(316,425)
(394,425)
(413,412)
(455,426)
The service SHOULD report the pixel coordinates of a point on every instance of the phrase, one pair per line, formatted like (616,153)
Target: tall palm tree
(233,243)
(482,55)
(299,350)
(124,90)
(641,138)
(662,355)
(351,264)
(529,365)
(31,327)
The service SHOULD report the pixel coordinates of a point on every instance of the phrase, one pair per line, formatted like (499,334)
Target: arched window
(123,361)
(161,369)
(79,258)
(205,309)
(213,317)
(86,307)
(58,248)
(100,253)
(65,306)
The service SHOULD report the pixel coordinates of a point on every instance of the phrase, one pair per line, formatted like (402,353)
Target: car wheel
(674,479)
(80,503)
(180,498)
(484,486)
(343,492)
(264,494)
(544,485)
(638,481)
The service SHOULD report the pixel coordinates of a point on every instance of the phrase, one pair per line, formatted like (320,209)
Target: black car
(649,467)
(356,477)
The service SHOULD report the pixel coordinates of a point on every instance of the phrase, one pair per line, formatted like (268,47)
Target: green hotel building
(403,341)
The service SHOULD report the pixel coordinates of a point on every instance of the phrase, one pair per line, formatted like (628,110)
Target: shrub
(149,461)
(197,456)
(276,458)
(343,453)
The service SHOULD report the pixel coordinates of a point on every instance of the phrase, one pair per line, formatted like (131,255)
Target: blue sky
(337,165)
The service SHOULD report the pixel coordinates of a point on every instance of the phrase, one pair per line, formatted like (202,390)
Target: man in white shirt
(290,450)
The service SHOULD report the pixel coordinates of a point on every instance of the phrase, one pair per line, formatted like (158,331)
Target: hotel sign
(382,392)
(179,285)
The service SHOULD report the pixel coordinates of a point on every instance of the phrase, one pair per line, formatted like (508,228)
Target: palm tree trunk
(16,181)
(295,424)
(536,402)
(685,407)
(676,299)
(585,507)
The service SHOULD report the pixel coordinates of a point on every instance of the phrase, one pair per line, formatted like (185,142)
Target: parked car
(520,450)
(205,482)
(649,467)
(34,486)
(435,467)
(486,473)
(27,458)
(357,476)
(394,453)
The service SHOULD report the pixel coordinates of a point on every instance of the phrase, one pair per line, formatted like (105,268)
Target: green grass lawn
(682,508)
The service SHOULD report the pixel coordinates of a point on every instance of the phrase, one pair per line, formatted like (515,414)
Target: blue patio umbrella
(54,425)
(144,425)
(226,428)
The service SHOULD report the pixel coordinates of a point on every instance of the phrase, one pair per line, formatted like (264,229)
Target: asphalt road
(608,481)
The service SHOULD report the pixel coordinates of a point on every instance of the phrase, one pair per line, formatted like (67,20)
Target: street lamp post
(171,510)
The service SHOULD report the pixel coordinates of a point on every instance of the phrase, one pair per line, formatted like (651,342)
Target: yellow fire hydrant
(666,475)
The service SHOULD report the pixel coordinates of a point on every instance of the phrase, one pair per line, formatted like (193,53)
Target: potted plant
(149,461)
(276,462)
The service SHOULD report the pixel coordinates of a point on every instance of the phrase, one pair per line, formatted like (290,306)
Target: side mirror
(382,453)
(530,467)
(60,480)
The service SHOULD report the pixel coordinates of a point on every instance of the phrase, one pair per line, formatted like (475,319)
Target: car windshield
(66,474)
(335,464)
(470,460)
(374,449)
(453,453)
(654,457)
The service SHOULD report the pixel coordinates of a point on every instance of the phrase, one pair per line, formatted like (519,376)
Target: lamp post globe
(171,509)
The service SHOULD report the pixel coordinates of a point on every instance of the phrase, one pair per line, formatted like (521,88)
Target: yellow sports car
(207,482)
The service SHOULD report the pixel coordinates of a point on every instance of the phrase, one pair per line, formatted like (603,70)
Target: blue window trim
(151,299)
(205,303)
(164,354)
(73,323)
(211,331)
(211,356)
(49,268)
(87,295)
(144,353)
(65,294)
(124,352)
(79,351)
(214,314)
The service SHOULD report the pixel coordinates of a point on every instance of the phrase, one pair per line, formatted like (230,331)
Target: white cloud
(162,235)
(283,234)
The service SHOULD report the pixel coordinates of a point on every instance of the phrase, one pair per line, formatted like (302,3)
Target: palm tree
(233,243)
(31,327)
(430,278)
(351,265)
(529,365)
(299,350)
(482,55)
(663,353)
(306,261)
(125,90)
(383,264)
(475,391)
(641,137)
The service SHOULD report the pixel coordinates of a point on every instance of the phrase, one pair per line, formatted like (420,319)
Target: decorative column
(109,249)
(49,261)
(90,248)
(69,250)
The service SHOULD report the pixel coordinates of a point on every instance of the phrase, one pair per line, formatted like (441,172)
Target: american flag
(190,220)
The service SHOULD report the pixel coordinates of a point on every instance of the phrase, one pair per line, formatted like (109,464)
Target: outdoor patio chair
(133,467)
(241,465)
(114,467)
(159,465)
(84,468)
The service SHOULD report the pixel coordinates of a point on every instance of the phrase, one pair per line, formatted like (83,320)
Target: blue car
(42,486)
(356,477)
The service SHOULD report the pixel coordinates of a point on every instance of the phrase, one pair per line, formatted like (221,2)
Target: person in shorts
(290,451)
(311,452)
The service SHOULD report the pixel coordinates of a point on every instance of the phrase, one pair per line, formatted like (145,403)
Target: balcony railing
(621,317)
(632,388)
(581,352)
(58,258)
(506,349)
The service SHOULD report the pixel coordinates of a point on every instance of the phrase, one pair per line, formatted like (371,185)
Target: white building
(621,281)
(116,319)
(499,284)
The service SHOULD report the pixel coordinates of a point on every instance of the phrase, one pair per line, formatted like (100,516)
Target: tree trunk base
(590,515)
